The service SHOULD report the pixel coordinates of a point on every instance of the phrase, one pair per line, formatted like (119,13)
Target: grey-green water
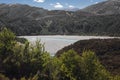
(57,42)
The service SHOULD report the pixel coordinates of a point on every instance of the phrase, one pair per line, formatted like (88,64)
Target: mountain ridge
(104,8)
(28,20)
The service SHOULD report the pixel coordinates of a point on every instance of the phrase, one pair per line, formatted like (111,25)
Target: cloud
(51,4)
(39,1)
(96,2)
(58,5)
(71,6)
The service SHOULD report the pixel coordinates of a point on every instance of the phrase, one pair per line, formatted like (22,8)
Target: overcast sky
(54,4)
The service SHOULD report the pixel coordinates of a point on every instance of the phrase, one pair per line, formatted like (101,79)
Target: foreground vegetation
(31,62)
(107,51)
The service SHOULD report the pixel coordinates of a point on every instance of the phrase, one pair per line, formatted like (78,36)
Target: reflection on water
(57,42)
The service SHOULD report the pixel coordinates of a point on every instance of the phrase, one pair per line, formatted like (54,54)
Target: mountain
(71,9)
(27,20)
(104,8)
(107,50)
(19,10)
(21,18)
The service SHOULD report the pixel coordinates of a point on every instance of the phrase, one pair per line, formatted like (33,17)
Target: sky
(54,4)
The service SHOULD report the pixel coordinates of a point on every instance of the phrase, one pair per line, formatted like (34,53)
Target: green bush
(91,67)
(31,62)
(19,60)
(85,67)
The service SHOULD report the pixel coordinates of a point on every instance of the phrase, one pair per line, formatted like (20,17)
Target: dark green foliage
(92,69)
(85,67)
(31,62)
(26,60)
(21,40)
(107,50)
(18,60)
(70,68)
(7,42)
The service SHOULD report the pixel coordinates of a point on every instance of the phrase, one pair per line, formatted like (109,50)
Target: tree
(21,60)
(7,42)
(84,67)
(70,66)
(91,67)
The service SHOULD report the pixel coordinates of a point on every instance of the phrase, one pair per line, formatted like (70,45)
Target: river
(56,42)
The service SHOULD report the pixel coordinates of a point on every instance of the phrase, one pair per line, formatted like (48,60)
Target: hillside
(28,20)
(104,8)
(107,50)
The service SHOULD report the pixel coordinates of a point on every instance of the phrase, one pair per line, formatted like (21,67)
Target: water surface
(54,43)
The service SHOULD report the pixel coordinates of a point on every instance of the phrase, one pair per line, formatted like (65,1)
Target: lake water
(57,42)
